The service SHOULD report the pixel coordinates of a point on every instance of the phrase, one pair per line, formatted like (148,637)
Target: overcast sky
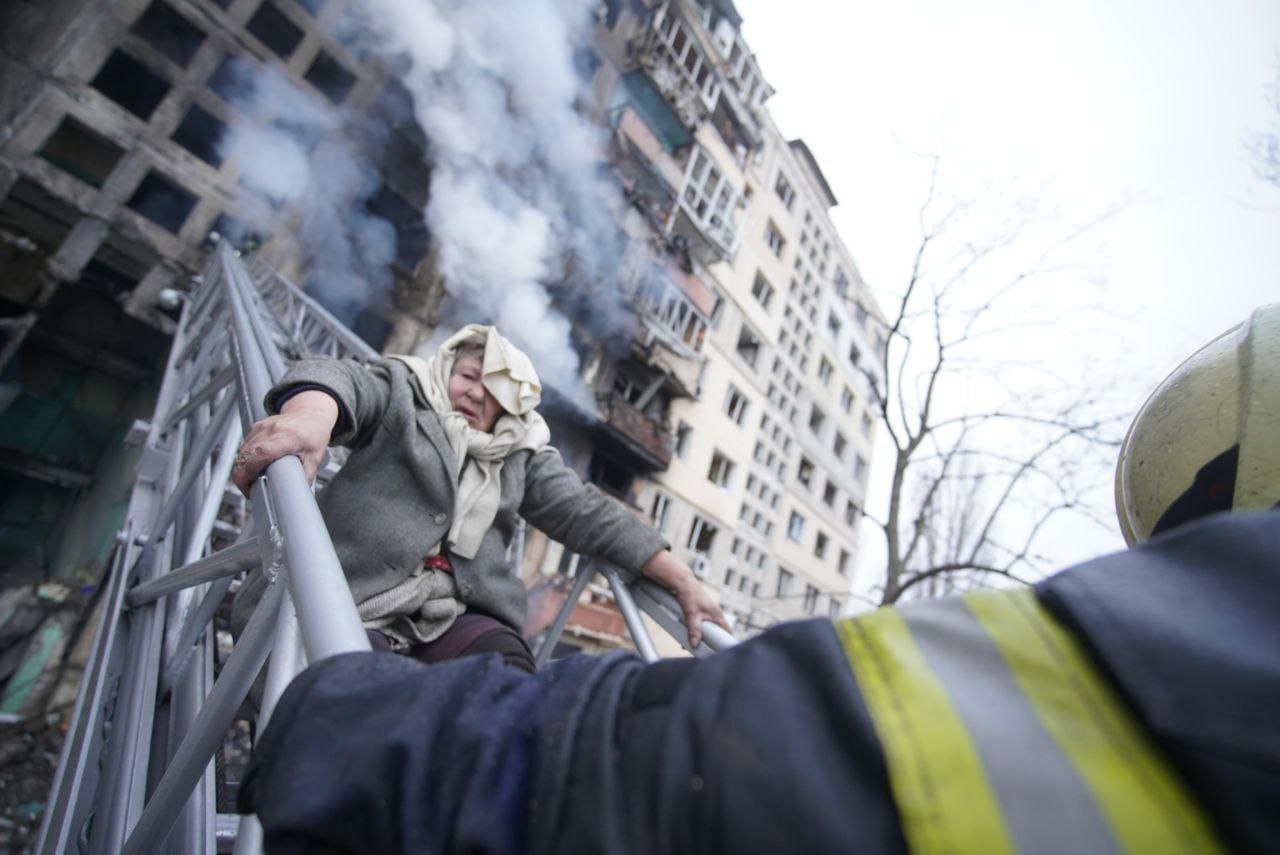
(1145,101)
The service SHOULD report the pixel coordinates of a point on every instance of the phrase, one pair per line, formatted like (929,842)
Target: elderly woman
(445,454)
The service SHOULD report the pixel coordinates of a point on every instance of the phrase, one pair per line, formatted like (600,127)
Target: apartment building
(765,487)
(732,413)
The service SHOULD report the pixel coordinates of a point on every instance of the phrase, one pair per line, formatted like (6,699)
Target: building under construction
(726,399)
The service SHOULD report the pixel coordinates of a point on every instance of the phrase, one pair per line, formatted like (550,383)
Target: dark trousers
(472,633)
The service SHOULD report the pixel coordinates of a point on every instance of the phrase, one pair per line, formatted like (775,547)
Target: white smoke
(516,201)
(290,148)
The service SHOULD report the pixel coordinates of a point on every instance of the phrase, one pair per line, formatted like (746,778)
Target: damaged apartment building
(736,418)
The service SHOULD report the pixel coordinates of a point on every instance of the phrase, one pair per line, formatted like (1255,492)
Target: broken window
(785,192)
(162,201)
(130,84)
(275,30)
(607,473)
(805,471)
(412,236)
(330,77)
(748,346)
(816,418)
(200,132)
(75,148)
(169,33)
(735,404)
(658,513)
(721,470)
(701,535)
(683,434)
(232,79)
(762,290)
(774,239)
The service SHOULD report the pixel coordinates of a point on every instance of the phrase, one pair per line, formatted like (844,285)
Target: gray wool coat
(393,500)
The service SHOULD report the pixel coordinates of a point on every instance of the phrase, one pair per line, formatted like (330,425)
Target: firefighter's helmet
(1208,438)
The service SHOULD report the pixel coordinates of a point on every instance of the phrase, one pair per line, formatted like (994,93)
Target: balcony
(641,436)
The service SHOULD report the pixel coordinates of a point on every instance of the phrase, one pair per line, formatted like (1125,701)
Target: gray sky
(1149,101)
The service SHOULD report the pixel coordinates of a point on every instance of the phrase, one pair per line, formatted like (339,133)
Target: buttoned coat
(393,500)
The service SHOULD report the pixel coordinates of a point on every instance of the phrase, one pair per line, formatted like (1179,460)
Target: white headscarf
(508,375)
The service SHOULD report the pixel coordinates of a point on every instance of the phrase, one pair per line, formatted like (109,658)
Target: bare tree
(987,450)
(1265,147)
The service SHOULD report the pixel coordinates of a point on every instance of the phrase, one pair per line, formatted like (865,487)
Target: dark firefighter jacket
(1128,703)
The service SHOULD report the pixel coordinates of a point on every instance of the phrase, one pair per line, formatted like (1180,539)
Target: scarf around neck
(508,375)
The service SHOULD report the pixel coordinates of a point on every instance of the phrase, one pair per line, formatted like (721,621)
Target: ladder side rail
(635,623)
(287,659)
(79,784)
(556,630)
(351,343)
(661,605)
(128,753)
(193,756)
(326,612)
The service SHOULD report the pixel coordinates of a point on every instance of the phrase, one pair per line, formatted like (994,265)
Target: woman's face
(469,397)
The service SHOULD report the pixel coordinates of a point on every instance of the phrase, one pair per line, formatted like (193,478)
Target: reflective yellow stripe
(1142,799)
(938,782)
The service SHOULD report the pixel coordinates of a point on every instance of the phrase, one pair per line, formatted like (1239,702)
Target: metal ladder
(137,770)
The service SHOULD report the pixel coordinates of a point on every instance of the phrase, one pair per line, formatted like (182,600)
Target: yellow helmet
(1208,438)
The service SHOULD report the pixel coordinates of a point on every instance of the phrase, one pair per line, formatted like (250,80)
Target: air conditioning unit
(701,565)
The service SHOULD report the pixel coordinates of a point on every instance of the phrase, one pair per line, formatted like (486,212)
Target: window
(81,151)
(748,346)
(162,201)
(330,77)
(701,535)
(829,494)
(860,312)
(762,290)
(658,513)
(846,399)
(859,467)
(833,608)
(838,446)
(774,239)
(169,33)
(736,546)
(816,418)
(810,599)
(854,354)
(820,546)
(721,470)
(842,563)
(232,79)
(850,513)
(805,473)
(274,29)
(785,191)
(784,583)
(130,84)
(824,371)
(841,282)
(683,433)
(199,132)
(735,405)
(866,425)
(728,578)
(833,326)
(795,527)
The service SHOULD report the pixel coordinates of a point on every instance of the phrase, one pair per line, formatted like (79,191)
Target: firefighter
(1127,704)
